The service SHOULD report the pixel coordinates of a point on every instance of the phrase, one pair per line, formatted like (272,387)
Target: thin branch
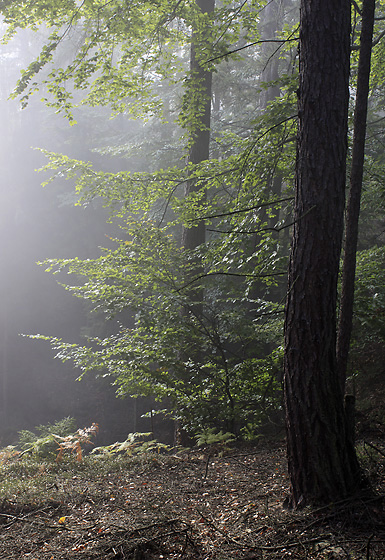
(288,40)
(236,274)
(260,138)
(233,212)
(375,448)
(282,41)
(170,17)
(376,41)
(242,232)
(230,20)
(190,178)
(256,547)
(376,121)
(267,228)
(356,7)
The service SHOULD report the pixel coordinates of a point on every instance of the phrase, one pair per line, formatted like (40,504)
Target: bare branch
(281,41)
(356,6)
(270,203)
(236,274)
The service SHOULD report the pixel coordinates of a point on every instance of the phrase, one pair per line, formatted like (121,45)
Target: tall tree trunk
(199,93)
(272,20)
(354,200)
(198,103)
(272,24)
(198,106)
(322,464)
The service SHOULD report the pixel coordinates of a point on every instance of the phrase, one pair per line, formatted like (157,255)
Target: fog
(37,223)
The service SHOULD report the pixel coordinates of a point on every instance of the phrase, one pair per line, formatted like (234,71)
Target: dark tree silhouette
(321,460)
(354,200)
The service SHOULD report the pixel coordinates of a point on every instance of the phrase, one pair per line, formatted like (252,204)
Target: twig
(25,517)
(375,448)
(236,274)
(143,543)
(256,547)
(368,546)
(281,41)
(269,203)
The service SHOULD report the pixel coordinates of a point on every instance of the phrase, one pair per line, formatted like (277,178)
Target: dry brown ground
(185,507)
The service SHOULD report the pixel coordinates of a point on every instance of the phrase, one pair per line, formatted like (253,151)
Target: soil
(196,505)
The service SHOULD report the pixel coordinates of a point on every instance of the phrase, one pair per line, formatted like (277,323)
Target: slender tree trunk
(198,106)
(198,103)
(354,200)
(271,25)
(322,464)
(198,100)
(272,19)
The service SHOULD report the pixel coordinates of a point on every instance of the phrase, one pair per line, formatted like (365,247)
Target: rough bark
(354,200)
(322,463)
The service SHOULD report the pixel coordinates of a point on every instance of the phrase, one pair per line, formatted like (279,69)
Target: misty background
(38,223)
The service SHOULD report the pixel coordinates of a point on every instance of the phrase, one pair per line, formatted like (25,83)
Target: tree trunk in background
(198,103)
(4,363)
(322,465)
(272,23)
(199,91)
(7,231)
(353,206)
(272,19)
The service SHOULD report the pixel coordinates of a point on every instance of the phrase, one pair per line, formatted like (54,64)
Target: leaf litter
(189,505)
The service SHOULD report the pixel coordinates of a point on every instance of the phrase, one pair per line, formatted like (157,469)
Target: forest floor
(190,505)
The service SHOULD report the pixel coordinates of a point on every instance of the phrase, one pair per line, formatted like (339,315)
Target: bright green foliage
(156,353)
(124,50)
(210,437)
(136,444)
(216,368)
(219,368)
(43,443)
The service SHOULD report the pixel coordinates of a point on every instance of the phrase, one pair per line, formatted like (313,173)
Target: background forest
(169,203)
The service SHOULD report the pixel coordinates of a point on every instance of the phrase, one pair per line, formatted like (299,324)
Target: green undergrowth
(54,461)
(33,481)
(59,464)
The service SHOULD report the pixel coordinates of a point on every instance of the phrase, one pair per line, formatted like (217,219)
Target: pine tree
(322,463)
